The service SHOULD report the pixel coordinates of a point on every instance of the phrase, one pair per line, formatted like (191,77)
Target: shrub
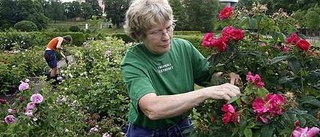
(282,98)
(96,81)
(77,37)
(26,25)
(13,40)
(188,33)
(15,66)
(74,29)
(123,36)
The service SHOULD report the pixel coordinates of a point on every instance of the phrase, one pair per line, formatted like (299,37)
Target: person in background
(160,72)
(53,47)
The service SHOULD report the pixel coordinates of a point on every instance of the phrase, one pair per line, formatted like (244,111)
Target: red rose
(303,44)
(225,13)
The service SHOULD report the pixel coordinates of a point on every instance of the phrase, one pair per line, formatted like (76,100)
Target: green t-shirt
(171,73)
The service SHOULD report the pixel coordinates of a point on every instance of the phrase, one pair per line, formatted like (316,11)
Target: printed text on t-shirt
(165,67)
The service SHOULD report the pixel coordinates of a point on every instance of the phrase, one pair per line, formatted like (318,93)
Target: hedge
(24,40)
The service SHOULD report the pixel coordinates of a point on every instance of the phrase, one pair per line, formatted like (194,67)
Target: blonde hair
(142,15)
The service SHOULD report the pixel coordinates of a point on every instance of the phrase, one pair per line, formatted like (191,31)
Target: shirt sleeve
(137,81)
(200,68)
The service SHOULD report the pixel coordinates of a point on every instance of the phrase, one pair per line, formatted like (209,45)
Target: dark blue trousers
(181,129)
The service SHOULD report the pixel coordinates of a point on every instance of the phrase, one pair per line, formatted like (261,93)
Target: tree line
(196,15)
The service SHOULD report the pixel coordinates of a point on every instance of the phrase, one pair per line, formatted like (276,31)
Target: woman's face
(158,38)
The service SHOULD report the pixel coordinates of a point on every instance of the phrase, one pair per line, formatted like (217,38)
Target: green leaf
(247,132)
(251,124)
(279,59)
(262,92)
(282,37)
(295,65)
(315,102)
(287,80)
(290,116)
(233,99)
(286,132)
(252,23)
(267,131)
(244,21)
(247,90)
(275,28)
(310,118)
(302,121)
(275,36)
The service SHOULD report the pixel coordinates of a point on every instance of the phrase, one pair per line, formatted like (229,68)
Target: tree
(96,9)
(115,11)
(300,17)
(35,12)
(313,19)
(200,14)
(86,11)
(179,14)
(72,9)
(6,14)
(286,5)
(13,11)
(54,10)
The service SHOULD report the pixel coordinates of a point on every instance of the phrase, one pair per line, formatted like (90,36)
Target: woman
(54,46)
(160,73)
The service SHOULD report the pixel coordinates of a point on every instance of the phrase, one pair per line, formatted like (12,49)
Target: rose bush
(34,110)
(281,94)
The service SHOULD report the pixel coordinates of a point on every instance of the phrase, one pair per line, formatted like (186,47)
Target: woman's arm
(59,44)
(167,106)
(60,48)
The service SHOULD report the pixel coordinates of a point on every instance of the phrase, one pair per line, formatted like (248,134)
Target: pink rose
(31,106)
(36,98)
(23,86)
(206,41)
(220,44)
(305,132)
(230,114)
(3,101)
(9,119)
(237,34)
(29,113)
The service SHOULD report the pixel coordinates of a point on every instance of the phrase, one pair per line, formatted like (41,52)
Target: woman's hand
(233,78)
(224,91)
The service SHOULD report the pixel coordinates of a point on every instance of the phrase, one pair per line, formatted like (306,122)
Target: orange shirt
(53,43)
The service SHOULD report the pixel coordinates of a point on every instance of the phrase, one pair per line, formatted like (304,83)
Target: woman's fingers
(229,91)
(234,78)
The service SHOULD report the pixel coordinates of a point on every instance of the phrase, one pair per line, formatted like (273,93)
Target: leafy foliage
(56,115)
(96,81)
(90,101)
(286,68)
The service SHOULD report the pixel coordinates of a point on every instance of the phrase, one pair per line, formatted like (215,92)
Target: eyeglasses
(160,33)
